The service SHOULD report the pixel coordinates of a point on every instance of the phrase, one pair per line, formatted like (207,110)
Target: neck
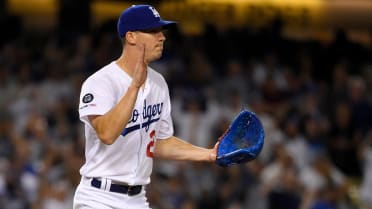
(126,64)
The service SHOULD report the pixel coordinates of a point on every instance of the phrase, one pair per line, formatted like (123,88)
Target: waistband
(108,185)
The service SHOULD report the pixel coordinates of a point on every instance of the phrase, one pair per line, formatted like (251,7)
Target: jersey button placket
(141,99)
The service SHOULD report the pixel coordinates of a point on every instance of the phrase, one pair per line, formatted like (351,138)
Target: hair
(123,42)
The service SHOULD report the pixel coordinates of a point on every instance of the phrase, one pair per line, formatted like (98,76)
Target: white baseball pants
(89,197)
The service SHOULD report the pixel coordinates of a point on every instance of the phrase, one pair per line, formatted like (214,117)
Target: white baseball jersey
(129,158)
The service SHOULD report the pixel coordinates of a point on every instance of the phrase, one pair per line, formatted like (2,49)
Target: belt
(119,188)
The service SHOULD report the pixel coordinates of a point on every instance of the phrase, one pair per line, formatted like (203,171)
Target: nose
(162,36)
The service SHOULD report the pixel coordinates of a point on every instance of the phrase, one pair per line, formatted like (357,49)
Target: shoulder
(102,76)
(157,78)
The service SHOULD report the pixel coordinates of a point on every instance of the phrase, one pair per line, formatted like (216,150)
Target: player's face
(154,42)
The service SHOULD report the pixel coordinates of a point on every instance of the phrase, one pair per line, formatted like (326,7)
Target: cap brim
(161,24)
(166,23)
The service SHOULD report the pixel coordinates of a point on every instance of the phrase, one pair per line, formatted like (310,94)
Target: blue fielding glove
(242,141)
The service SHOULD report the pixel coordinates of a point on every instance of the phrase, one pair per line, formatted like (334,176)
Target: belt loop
(108,184)
(103,183)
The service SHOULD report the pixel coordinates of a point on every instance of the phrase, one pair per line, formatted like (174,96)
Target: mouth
(160,48)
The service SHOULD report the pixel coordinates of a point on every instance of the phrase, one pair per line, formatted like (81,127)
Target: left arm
(174,148)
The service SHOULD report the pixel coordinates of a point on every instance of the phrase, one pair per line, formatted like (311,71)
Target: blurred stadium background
(304,66)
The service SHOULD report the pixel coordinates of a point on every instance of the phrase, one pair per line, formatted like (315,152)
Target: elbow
(107,138)
(105,133)
(161,149)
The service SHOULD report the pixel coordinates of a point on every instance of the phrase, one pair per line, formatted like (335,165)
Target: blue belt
(123,189)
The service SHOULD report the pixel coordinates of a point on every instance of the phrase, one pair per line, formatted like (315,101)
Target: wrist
(211,156)
(134,87)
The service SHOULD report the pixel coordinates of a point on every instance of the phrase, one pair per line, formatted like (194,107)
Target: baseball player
(126,109)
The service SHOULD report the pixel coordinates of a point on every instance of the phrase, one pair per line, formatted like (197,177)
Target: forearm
(307,199)
(110,125)
(174,148)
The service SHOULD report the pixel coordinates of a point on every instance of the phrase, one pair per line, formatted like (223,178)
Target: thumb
(216,145)
(213,153)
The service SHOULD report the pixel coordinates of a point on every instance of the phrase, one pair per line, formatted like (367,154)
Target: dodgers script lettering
(150,113)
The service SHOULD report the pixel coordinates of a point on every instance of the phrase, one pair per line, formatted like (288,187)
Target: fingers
(140,71)
(142,63)
(141,57)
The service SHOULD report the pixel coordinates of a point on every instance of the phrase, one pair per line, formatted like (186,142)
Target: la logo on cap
(156,13)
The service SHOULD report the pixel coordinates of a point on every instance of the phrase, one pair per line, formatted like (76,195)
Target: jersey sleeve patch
(87,98)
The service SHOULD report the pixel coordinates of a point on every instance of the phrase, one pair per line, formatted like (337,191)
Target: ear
(131,37)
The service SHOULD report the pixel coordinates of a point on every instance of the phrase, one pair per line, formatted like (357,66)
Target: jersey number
(150,146)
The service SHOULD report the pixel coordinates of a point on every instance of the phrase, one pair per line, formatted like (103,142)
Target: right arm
(110,125)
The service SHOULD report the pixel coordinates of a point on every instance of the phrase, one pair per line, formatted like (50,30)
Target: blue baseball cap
(140,17)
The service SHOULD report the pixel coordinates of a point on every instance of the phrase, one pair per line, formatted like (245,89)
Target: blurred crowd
(314,99)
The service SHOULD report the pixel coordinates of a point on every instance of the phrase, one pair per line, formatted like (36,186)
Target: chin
(156,57)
